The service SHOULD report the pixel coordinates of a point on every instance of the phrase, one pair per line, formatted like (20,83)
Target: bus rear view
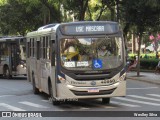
(90,60)
(12,56)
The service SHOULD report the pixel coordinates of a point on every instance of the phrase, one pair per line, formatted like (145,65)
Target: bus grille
(85,93)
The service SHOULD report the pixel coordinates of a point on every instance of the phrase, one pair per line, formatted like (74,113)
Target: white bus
(77,60)
(12,56)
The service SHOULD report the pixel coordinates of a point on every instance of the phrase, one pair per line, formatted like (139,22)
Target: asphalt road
(16,95)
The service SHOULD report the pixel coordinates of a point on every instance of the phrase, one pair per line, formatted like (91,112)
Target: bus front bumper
(71,92)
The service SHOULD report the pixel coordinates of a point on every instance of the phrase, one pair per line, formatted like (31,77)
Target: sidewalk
(145,76)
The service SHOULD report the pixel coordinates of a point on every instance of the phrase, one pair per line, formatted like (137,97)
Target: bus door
(15,56)
(38,65)
(41,63)
(53,66)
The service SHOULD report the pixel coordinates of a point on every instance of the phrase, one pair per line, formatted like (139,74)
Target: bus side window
(53,53)
(28,49)
(0,52)
(38,50)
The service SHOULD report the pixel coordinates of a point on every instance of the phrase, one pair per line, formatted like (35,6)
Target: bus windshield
(91,53)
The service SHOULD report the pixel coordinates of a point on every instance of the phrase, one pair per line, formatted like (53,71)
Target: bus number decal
(69,64)
(82,64)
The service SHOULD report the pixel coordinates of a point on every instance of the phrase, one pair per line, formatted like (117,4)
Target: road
(16,95)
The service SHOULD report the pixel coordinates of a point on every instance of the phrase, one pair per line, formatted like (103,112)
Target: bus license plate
(92,90)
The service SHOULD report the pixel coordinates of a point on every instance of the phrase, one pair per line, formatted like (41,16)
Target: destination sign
(89,28)
(83,28)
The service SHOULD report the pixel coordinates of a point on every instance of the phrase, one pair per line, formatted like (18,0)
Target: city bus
(12,56)
(67,61)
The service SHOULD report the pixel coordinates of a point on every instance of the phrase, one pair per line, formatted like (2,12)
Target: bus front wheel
(53,100)
(105,100)
(6,72)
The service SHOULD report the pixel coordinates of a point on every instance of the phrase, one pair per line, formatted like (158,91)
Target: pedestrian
(134,65)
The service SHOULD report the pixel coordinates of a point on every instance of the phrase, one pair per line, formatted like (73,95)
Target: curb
(148,81)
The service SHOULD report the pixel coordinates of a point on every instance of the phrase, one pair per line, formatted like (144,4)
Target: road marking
(100,105)
(142,88)
(47,101)
(6,95)
(146,98)
(11,107)
(137,101)
(32,104)
(124,104)
(154,95)
(109,107)
(84,108)
(69,106)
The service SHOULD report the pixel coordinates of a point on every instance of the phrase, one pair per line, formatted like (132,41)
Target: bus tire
(6,73)
(35,90)
(105,100)
(53,100)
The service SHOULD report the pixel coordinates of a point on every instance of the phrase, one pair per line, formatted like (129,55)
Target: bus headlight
(23,65)
(61,78)
(122,77)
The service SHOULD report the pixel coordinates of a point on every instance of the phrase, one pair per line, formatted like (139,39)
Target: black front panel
(92,75)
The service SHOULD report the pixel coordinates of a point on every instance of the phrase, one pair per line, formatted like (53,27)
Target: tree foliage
(21,16)
(136,16)
(76,7)
(143,15)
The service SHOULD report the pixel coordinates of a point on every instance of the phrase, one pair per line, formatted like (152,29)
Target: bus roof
(48,26)
(10,38)
(79,28)
(93,22)
(44,29)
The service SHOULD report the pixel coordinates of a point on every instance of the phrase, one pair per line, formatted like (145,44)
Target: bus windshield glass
(91,53)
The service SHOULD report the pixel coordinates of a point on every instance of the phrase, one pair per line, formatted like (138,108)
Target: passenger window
(53,53)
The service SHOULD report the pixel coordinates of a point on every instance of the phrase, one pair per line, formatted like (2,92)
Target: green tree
(53,10)
(97,10)
(18,17)
(76,7)
(141,14)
